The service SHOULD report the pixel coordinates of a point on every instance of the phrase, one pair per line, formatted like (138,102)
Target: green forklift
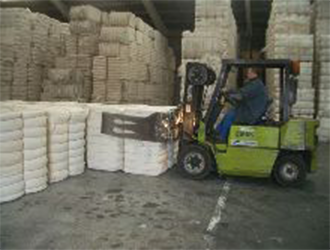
(284,149)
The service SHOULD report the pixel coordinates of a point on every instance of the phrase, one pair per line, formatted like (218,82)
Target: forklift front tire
(195,162)
(290,170)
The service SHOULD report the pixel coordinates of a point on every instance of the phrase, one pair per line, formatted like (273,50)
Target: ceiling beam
(62,8)
(155,17)
(248,16)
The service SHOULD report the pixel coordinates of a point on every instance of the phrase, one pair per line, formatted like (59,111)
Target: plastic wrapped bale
(11,155)
(77,141)
(35,150)
(104,152)
(58,146)
(148,148)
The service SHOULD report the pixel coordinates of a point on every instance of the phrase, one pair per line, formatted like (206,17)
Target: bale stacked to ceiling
(6,70)
(16,36)
(213,39)
(48,42)
(29,43)
(289,37)
(71,77)
(135,64)
(322,65)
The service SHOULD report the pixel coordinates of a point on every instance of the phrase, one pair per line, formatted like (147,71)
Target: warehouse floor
(116,210)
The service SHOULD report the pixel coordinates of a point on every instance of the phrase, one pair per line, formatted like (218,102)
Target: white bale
(11,163)
(77,140)
(58,144)
(104,152)
(142,156)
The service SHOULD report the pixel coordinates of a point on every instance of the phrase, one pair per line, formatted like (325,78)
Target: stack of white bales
(11,155)
(213,39)
(77,141)
(35,150)
(34,131)
(127,148)
(34,145)
(289,37)
(135,64)
(322,66)
(58,144)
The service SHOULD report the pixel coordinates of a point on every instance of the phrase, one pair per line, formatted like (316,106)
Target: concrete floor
(115,210)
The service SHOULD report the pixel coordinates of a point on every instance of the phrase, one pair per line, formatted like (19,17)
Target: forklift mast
(197,78)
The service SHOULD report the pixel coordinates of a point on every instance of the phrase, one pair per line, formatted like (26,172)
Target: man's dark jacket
(253,104)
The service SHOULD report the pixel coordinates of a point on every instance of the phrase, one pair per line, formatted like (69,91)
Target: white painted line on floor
(220,206)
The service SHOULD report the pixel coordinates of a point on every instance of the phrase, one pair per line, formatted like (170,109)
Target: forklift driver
(249,104)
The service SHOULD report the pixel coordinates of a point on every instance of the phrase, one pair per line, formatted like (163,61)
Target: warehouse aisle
(116,210)
(262,215)
(112,210)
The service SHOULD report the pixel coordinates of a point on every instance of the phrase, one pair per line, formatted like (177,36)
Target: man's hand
(232,96)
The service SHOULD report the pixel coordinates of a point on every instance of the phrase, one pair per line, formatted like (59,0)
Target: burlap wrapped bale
(122,19)
(85,12)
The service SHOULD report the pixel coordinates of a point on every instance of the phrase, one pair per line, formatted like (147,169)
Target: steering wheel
(230,98)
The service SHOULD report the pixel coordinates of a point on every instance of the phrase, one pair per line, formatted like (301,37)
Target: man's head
(251,73)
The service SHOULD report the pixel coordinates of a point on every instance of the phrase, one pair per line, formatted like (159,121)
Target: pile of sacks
(29,43)
(213,39)
(289,36)
(129,146)
(322,66)
(134,65)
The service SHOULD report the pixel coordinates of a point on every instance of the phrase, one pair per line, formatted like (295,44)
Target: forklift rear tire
(195,162)
(290,170)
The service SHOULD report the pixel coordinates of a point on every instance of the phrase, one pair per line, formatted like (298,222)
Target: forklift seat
(265,116)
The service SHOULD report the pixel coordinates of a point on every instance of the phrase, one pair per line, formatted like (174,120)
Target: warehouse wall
(322,66)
